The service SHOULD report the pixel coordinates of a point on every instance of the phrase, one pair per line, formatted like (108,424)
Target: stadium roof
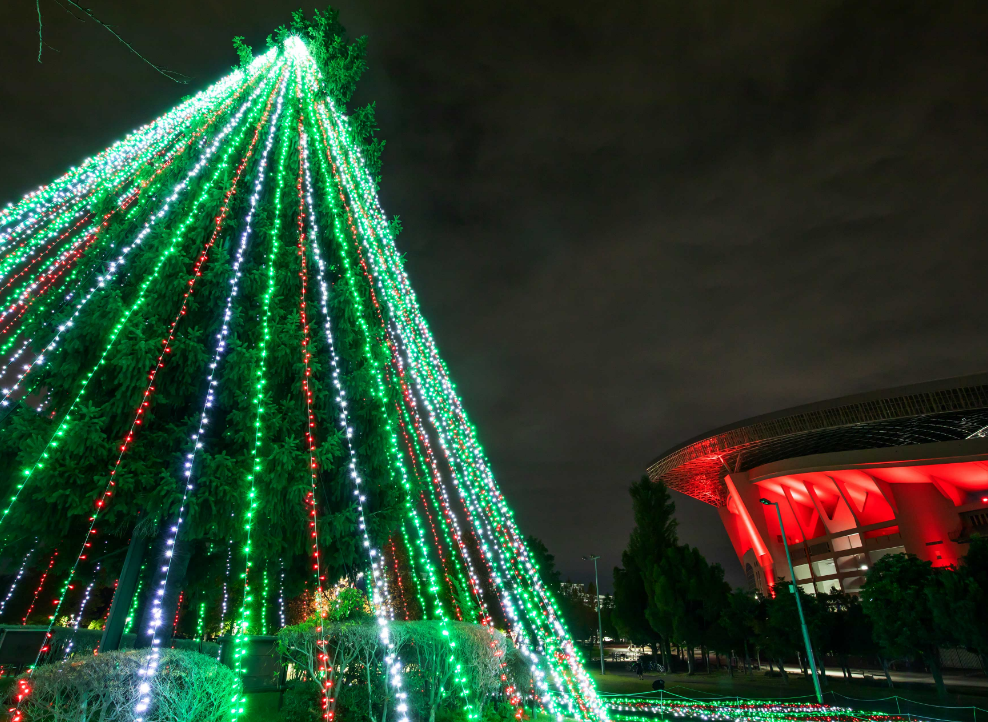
(945,410)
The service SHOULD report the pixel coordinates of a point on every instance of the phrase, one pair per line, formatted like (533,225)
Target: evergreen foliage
(210,348)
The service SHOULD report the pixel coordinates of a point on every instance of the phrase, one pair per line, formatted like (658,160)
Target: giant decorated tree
(221,398)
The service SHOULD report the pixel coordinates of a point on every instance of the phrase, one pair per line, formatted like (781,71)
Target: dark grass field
(865,695)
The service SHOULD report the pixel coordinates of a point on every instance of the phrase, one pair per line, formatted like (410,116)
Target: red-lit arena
(899,470)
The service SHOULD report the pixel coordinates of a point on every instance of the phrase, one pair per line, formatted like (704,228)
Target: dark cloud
(626,222)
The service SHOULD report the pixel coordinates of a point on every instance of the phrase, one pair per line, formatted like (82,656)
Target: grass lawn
(758,686)
(263,706)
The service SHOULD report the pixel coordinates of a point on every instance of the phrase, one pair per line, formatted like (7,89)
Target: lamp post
(799,604)
(600,624)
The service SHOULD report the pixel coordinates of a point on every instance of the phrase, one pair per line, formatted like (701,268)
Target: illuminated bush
(189,687)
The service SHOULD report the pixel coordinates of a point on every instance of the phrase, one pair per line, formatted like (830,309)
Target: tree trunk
(124,594)
(706,657)
(782,670)
(933,659)
(730,664)
(758,657)
(689,660)
(747,659)
(821,669)
(885,667)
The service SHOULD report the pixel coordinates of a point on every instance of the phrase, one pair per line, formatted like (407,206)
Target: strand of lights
(176,237)
(68,214)
(90,173)
(178,611)
(379,392)
(144,689)
(586,686)
(380,597)
(112,270)
(195,275)
(115,266)
(144,185)
(82,609)
(66,260)
(413,569)
(167,342)
(265,589)
(281,592)
(327,698)
(421,545)
(201,622)
(20,573)
(226,581)
(243,625)
(41,584)
(451,525)
(108,276)
(132,612)
(549,639)
(740,710)
(401,587)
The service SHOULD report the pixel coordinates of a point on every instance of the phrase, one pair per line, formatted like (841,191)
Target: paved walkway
(973,679)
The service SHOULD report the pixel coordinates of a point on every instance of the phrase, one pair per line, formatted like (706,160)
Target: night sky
(627,222)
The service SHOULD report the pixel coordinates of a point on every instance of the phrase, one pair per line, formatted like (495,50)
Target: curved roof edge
(841,402)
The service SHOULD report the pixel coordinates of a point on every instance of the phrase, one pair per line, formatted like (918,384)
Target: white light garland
(380,598)
(20,573)
(151,666)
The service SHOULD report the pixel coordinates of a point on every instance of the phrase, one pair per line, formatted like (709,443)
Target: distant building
(900,470)
(582,592)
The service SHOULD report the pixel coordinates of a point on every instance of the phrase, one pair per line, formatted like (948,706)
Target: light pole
(799,605)
(600,624)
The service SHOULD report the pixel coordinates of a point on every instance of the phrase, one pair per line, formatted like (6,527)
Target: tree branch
(170,74)
(40,40)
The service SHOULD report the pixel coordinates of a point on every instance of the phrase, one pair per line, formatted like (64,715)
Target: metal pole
(600,624)
(799,605)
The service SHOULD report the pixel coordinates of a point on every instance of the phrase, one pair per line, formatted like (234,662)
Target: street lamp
(799,605)
(600,624)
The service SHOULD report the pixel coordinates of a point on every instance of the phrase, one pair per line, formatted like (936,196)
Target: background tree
(630,602)
(688,595)
(780,634)
(896,597)
(736,627)
(850,631)
(545,561)
(961,611)
(654,533)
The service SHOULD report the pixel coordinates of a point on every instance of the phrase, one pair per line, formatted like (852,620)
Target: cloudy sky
(628,222)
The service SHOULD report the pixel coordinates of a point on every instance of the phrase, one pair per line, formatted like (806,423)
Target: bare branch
(40,40)
(69,11)
(170,74)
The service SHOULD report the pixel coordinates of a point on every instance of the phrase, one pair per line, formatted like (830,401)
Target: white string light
(20,573)
(380,598)
(151,665)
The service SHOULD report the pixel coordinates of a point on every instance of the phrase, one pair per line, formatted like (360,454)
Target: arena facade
(904,470)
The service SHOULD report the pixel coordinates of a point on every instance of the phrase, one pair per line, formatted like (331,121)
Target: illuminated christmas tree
(208,340)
